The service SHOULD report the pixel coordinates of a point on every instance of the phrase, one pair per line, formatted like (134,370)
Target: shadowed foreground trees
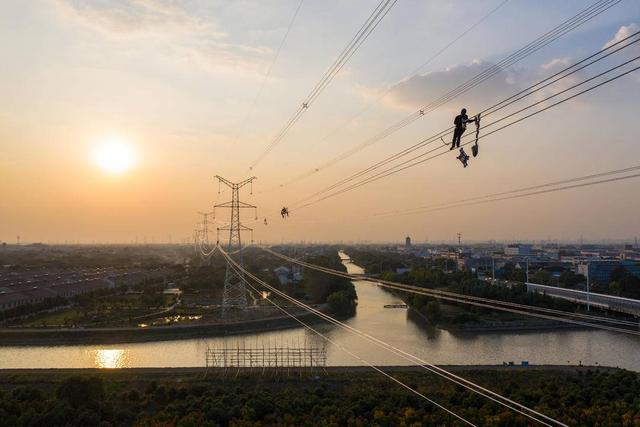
(135,398)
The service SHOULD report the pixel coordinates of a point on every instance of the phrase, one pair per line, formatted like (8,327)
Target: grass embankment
(343,396)
(179,331)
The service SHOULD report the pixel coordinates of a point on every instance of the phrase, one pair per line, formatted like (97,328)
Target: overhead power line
(268,73)
(352,151)
(352,47)
(523,309)
(421,158)
(577,20)
(530,90)
(355,356)
(502,400)
(518,193)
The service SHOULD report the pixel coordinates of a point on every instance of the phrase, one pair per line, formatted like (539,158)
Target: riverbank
(75,336)
(513,326)
(24,376)
(337,396)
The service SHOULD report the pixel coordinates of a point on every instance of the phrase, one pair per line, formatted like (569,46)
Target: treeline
(377,262)
(336,291)
(576,397)
(623,284)
(66,257)
(316,287)
(434,274)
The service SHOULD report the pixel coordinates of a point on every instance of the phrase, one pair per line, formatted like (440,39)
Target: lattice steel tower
(234,295)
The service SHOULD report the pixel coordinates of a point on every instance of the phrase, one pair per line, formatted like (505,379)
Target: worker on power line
(460,122)
(284,212)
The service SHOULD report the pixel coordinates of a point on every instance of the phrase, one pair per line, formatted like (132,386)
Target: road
(608,302)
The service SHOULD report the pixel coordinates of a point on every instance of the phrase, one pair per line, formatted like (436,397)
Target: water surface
(390,325)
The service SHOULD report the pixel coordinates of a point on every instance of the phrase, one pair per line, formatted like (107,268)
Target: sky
(177,85)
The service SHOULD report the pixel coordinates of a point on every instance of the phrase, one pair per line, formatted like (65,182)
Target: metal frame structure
(234,295)
(272,358)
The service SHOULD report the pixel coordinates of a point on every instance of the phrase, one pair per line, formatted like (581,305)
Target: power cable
(350,353)
(430,367)
(268,73)
(358,39)
(487,198)
(382,96)
(417,159)
(490,110)
(567,26)
(523,309)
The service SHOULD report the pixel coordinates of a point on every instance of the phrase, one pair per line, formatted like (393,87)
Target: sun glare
(115,156)
(110,358)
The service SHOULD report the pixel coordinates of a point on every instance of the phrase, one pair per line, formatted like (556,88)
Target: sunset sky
(117,115)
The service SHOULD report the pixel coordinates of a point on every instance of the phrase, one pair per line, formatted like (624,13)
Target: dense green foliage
(434,274)
(315,287)
(377,262)
(515,293)
(337,291)
(577,397)
(623,284)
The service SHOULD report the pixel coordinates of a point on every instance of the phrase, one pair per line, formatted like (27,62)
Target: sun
(115,156)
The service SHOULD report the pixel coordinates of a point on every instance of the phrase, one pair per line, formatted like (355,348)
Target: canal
(392,325)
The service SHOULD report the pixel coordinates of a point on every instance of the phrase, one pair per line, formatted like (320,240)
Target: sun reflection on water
(110,358)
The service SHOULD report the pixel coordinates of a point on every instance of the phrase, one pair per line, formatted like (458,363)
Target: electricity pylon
(234,295)
(205,228)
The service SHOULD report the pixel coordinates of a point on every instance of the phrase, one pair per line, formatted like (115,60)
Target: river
(391,325)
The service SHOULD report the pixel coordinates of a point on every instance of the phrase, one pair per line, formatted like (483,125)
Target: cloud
(416,91)
(127,18)
(622,33)
(420,90)
(190,36)
(630,52)
(228,57)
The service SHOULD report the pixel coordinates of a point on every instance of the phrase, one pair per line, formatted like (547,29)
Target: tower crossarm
(232,184)
(230,204)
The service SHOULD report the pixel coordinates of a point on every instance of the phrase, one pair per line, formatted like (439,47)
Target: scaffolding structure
(266,359)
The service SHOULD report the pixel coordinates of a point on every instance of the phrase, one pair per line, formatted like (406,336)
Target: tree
(340,303)
(81,391)
(615,288)
(542,277)
(569,279)
(432,311)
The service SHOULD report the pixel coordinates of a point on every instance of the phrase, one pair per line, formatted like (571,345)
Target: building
(288,275)
(600,271)
(33,286)
(407,242)
(519,249)
(282,273)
